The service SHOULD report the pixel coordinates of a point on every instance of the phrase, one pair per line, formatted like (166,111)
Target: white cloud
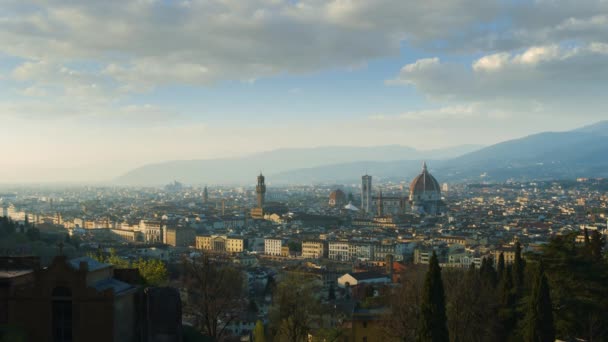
(138,45)
(561,75)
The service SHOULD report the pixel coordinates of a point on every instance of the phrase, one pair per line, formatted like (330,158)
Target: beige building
(508,253)
(273,246)
(314,249)
(220,243)
(127,235)
(180,237)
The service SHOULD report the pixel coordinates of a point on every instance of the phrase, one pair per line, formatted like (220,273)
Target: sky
(91,89)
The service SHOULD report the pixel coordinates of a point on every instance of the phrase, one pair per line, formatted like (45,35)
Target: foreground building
(84,300)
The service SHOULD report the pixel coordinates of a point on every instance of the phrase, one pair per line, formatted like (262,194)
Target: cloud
(540,73)
(150,43)
(103,51)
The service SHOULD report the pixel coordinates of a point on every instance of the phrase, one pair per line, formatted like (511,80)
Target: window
(62,314)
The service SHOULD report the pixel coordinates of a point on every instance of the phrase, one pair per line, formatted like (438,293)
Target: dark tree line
(557,293)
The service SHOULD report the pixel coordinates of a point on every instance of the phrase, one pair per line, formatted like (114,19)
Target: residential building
(314,249)
(273,246)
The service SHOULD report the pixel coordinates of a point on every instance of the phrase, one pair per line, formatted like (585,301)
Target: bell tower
(260,190)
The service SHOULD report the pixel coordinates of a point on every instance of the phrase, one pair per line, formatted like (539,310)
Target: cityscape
(303,171)
(351,242)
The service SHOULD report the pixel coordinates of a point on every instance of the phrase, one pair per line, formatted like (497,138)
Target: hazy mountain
(244,170)
(581,152)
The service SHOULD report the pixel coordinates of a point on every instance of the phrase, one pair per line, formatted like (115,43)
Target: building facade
(339,250)
(314,249)
(220,243)
(273,246)
(180,237)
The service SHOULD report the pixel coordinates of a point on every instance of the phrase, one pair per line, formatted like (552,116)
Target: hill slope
(581,152)
(244,170)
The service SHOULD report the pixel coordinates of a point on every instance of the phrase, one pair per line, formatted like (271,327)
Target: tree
(507,311)
(153,271)
(215,295)
(518,270)
(258,332)
(7,226)
(33,234)
(294,246)
(578,289)
(332,292)
(487,273)
(538,324)
(404,303)
(252,307)
(294,308)
(500,269)
(470,305)
(597,245)
(587,244)
(432,325)
(328,335)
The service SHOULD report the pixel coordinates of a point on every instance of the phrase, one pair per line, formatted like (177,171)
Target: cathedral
(424,197)
(425,194)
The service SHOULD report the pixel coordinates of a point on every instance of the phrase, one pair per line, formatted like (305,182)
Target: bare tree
(215,295)
(294,309)
(404,302)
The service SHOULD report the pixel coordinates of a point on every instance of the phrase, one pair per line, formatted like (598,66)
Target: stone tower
(260,190)
(366,193)
(380,205)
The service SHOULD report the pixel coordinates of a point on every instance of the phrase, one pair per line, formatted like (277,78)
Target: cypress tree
(538,324)
(501,265)
(587,249)
(488,273)
(596,245)
(432,326)
(332,292)
(507,305)
(518,270)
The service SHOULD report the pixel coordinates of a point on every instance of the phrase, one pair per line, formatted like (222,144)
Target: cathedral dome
(424,183)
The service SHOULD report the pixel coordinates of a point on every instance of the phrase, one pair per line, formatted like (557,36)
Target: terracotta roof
(424,182)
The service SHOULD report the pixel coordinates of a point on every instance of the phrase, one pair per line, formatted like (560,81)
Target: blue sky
(91,89)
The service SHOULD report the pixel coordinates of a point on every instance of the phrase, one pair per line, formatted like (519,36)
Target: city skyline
(92,90)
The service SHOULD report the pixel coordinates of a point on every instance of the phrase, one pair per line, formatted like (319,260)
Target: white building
(273,246)
(359,278)
(361,251)
(152,231)
(339,250)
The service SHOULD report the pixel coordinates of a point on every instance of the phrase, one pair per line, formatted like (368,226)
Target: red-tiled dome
(424,182)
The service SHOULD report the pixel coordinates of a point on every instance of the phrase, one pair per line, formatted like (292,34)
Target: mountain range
(581,152)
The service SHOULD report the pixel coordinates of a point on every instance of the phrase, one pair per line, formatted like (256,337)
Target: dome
(423,183)
(337,197)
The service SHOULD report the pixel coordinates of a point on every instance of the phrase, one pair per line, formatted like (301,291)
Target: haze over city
(303,170)
(90,90)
